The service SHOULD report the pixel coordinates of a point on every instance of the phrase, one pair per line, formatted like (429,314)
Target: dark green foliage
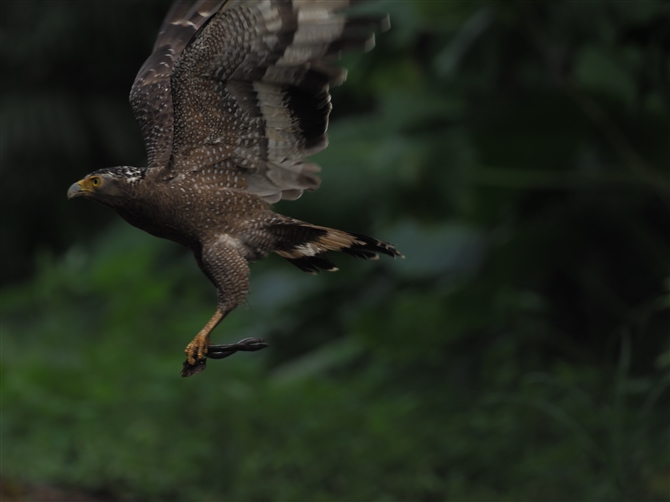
(516,153)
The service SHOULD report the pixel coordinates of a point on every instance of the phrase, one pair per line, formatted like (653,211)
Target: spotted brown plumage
(232,100)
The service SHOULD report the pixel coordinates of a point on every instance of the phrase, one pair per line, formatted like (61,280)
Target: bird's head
(108,185)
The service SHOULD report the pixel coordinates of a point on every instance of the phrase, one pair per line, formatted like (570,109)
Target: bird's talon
(196,351)
(190,369)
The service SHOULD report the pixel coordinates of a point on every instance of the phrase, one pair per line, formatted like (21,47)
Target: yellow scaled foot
(197,349)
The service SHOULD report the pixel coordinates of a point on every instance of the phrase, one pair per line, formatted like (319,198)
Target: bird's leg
(229,272)
(197,350)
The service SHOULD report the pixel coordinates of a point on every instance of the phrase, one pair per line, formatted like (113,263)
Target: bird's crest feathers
(129,174)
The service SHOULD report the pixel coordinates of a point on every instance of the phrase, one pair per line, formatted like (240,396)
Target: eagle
(231,101)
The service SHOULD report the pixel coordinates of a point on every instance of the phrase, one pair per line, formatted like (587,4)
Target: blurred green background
(516,153)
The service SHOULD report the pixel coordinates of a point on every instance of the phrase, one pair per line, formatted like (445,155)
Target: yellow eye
(96,182)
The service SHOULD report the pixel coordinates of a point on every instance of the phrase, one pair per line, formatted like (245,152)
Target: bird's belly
(161,226)
(192,220)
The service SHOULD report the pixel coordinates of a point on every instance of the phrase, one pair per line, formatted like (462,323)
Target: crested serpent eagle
(233,98)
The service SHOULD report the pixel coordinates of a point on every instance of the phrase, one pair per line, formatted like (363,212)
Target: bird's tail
(306,245)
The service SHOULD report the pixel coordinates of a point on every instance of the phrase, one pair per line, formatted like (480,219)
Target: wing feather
(251,91)
(150,95)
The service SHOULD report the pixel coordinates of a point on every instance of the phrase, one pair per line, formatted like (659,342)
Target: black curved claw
(221,352)
(188,370)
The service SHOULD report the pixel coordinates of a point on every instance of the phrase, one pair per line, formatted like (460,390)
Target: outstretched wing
(250,92)
(150,96)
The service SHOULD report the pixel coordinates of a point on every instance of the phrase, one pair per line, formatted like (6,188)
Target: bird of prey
(233,98)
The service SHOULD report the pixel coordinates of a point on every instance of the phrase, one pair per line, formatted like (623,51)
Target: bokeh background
(515,152)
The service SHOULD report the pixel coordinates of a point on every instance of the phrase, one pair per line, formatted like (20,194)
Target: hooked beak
(75,190)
